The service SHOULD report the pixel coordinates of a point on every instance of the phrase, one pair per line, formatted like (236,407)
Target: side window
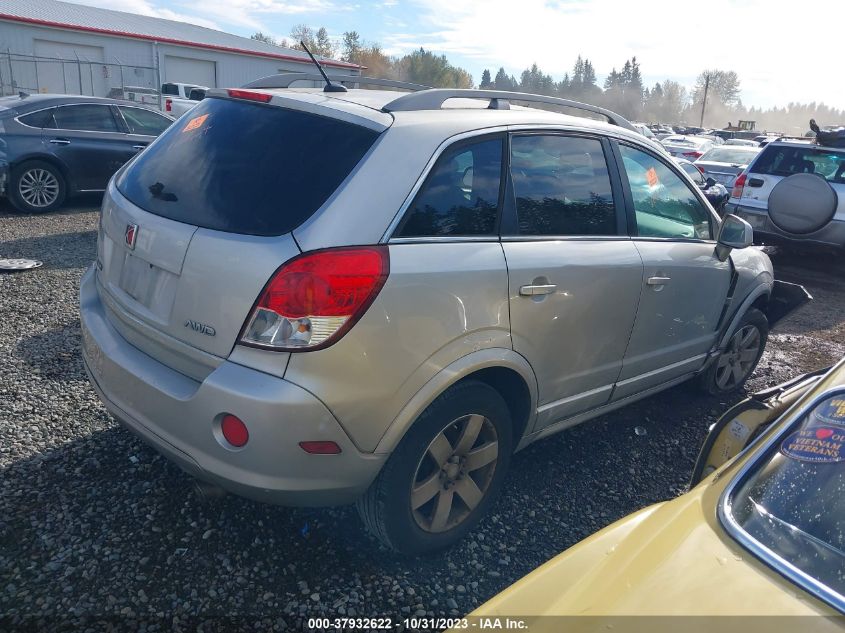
(142,121)
(562,186)
(664,204)
(85,117)
(461,194)
(41,119)
(693,173)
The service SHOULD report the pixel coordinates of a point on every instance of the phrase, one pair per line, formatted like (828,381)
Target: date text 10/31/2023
(418,624)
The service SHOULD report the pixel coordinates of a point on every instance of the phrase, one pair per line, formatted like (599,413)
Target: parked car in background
(138,94)
(687,146)
(177,106)
(793,191)
(395,330)
(760,534)
(716,193)
(179,90)
(55,146)
(724,164)
(717,140)
(742,142)
(643,129)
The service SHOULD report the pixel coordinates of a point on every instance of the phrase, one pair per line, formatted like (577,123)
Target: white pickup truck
(178,98)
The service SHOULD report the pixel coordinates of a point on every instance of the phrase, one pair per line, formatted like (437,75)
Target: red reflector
(234,430)
(168,105)
(320,448)
(250,95)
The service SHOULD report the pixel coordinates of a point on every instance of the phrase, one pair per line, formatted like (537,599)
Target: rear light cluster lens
(168,105)
(313,299)
(739,185)
(693,155)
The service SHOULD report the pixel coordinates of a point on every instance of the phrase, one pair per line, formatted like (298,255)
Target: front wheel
(740,356)
(37,187)
(445,473)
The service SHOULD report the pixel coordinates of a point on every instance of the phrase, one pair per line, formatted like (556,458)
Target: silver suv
(316,298)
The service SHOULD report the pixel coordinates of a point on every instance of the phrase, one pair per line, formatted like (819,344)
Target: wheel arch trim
(450,375)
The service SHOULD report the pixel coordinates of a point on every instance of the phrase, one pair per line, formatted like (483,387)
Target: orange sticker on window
(651,176)
(194,123)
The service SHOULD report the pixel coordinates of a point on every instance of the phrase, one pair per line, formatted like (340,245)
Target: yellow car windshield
(792,500)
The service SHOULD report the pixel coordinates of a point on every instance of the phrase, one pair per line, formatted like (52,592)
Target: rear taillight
(249,95)
(313,299)
(700,168)
(693,155)
(739,185)
(168,105)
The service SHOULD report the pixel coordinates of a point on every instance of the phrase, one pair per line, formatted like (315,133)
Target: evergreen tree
(486,81)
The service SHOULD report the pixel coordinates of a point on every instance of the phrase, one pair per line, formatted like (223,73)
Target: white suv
(794,191)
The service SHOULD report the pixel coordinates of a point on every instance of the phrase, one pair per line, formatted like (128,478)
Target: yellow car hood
(669,559)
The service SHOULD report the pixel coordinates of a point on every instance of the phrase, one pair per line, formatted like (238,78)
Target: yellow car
(762,533)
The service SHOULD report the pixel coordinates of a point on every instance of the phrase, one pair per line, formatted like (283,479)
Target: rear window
(170,89)
(784,160)
(244,168)
(733,155)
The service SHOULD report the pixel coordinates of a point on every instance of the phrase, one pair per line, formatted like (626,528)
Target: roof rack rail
(285,80)
(499,100)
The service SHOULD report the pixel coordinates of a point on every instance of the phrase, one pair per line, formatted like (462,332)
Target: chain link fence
(80,76)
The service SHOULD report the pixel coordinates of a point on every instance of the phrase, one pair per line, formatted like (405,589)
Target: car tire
(37,187)
(440,481)
(738,360)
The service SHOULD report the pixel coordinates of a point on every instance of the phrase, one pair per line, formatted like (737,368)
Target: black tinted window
(44,118)
(783,160)
(89,118)
(460,195)
(170,89)
(244,168)
(141,121)
(562,186)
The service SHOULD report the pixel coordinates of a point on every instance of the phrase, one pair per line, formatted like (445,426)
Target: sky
(777,47)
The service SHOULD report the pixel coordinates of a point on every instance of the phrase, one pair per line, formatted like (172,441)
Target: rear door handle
(658,281)
(533,291)
(138,147)
(60,141)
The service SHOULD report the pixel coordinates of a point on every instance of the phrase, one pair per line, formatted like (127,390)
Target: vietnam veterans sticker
(818,445)
(832,411)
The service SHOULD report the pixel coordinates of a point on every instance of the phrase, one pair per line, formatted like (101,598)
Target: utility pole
(704,101)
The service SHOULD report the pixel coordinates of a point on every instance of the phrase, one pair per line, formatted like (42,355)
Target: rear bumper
(765,232)
(180,417)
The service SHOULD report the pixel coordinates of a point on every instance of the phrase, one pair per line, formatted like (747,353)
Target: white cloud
(776,47)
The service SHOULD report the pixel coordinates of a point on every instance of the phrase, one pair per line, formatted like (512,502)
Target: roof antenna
(330,87)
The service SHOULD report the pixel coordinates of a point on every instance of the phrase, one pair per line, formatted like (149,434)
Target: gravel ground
(93,524)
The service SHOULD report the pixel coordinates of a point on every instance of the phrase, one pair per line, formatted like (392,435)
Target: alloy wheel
(737,361)
(454,473)
(38,187)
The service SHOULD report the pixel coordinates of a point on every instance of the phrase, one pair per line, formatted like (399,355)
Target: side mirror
(734,233)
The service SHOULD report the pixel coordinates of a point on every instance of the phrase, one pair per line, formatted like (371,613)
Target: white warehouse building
(49,46)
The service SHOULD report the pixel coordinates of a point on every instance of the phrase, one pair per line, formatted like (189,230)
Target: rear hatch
(724,164)
(777,161)
(194,228)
